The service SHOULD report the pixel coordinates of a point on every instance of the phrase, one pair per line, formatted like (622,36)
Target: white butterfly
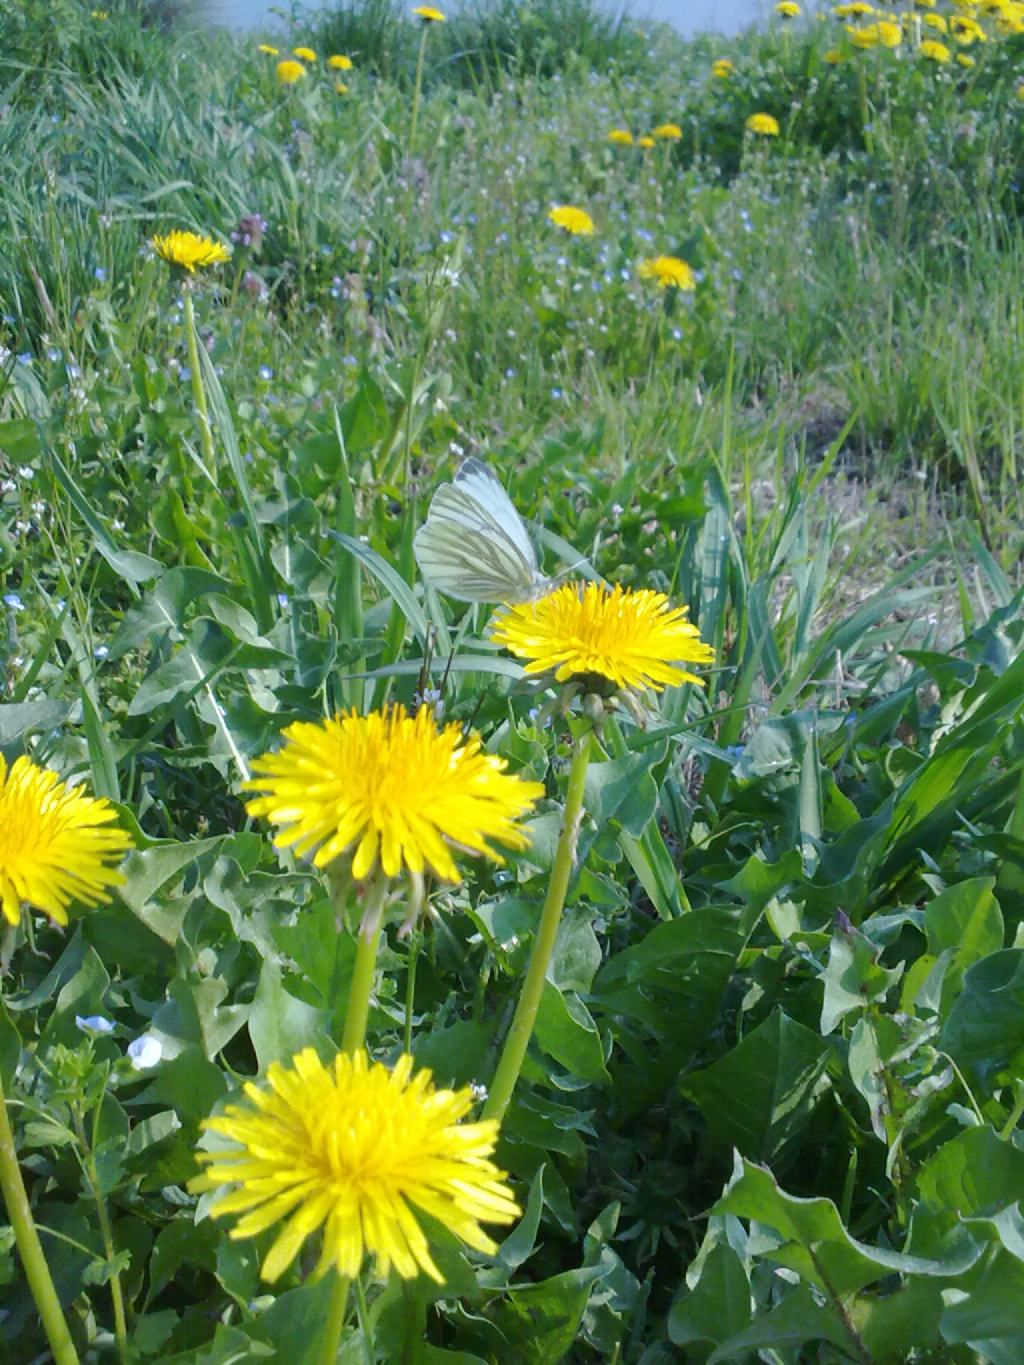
(474,545)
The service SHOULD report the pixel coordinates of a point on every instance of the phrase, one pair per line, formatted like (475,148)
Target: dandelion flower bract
(305,54)
(189,249)
(288,72)
(765,125)
(357,1151)
(668,132)
(339,62)
(57,845)
(429,14)
(634,639)
(392,787)
(621,136)
(577,222)
(668,272)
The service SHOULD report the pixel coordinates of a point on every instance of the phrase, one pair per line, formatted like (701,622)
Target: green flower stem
(198,392)
(417,90)
(525,1017)
(331,1339)
(367,942)
(30,1249)
(106,1232)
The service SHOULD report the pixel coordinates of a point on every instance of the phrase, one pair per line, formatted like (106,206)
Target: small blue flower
(12,600)
(100,273)
(282,599)
(25,358)
(266,373)
(94,1023)
(101,652)
(145,1052)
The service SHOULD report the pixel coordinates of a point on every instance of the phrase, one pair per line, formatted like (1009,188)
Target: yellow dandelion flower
(962,59)
(924,4)
(99,14)
(339,62)
(966,30)
(833,56)
(188,250)
(668,132)
(429,14)
(304,54)
(722,68)
(288,72)
(633,639)
(645,141)
(357,1151)
(864,38)
(392,788)
(622,137)
(937,22)
(340,88)
(267,50)
(889,34)
(54,845)
(855,9)
(765,125)
(934,51)
(577,222)
(787,9)
(668,272)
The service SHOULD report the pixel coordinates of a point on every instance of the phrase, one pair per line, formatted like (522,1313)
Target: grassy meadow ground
(771,1108)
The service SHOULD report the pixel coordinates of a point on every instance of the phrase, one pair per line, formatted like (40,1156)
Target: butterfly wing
(474,545)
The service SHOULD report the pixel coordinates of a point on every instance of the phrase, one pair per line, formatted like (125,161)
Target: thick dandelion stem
(26,1238)
(525,1017)
(367,942)
(331,1339)
(198,392)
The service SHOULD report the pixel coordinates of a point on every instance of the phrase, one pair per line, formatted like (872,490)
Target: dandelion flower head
(787,9)
(304,54)
(392,789)
(632,639)
(57,845)
(357,1151)
(268,50)
(622,137)
(645,141)
(964,60)
(934,50)
(339,62)
(765,125)
(429,14)
(577,222)
(668,132)
(722,68)
(668,272)
(189,249)
(288,72)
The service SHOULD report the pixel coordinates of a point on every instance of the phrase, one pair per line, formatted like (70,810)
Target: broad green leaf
(984,1312)
(798,1319)
(759,1096)
(853,978)
(623,789)
(717,1307)
(279,1024)
(982,1032)
(567,1033)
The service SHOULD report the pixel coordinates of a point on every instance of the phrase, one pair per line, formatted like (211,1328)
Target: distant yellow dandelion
(645,141)
(339,62)
(787,9)
(668,132)
(99,14)
(934,51)
(189,250)
(392,790)
(722,68)
(357,1151)
(267,50)
(632,639)
(855,9)
(937,22)
(864,38)
(668,272)
(833,56)
(304,54)
(964,60)
(429,14)
(622,137)
(288,72)
(577,222)
(889,34)
(765,125)
(57,845)
(340,88)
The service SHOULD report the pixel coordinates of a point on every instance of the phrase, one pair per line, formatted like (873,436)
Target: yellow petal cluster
(622,137)
(289,72)
(357,1152)
(634,639)
(189,249)
(722,68)
(765,125)
(668,272)
(57,845)
(429,14)
(577,222)
(391,789)
(668,132)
